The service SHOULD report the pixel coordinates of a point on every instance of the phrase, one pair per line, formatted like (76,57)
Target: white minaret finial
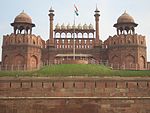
(96,9)
(96,6)
(51,8)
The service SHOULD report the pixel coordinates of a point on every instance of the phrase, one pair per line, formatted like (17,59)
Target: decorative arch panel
(142,63)
(19,60)
(34,62)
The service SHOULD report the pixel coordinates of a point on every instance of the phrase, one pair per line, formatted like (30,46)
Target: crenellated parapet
(21,39)
(73,31)
(122,40)
(74,27)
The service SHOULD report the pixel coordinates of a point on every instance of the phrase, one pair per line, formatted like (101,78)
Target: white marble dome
(85,26)
(91,26)
(74,26)
(69,26)
(57,26)
(63,26)
(79,26)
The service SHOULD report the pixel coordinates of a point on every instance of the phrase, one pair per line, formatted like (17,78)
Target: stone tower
(97,41)
(127,49)
(21,50)
(51,38)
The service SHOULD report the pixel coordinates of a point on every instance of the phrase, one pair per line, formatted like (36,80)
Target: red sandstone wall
(81,95)
(75,87)
(78,105)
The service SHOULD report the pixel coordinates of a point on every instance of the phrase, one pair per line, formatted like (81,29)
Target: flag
(76,10)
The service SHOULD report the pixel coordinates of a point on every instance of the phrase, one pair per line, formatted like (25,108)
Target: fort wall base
(75,94)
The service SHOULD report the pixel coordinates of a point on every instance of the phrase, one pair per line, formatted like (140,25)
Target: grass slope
(76,70)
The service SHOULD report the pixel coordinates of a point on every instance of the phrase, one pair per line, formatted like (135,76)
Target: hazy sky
(110,10)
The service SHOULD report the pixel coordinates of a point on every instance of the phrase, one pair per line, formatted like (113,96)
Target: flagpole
(74,39)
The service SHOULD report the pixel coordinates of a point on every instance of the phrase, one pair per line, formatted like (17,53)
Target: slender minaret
(97,43)
(51,18)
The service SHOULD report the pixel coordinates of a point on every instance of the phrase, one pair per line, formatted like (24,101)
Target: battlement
(75,94)
(75,86)
(118,40)
(14,39)
(74,28)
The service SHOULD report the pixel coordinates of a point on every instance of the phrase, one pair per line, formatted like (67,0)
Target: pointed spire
(97,10)
(22,12)
(125,12)
(51,8)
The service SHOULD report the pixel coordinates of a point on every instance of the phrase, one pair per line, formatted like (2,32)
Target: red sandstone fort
(22,50)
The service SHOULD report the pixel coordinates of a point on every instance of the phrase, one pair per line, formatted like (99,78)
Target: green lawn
(76,70)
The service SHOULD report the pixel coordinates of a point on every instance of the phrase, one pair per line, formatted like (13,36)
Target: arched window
(63,41)
(79,35)
(63,35)
(91,41)
(79,46)
(79,41)
(6,60)
(74,35)
(19,60)
(85,35)
(68,41)
(57,41)
(57,35)
(142,63)
(90,35)
(34,42)
(34,62)
(129,61)
(85,41)
(68,35)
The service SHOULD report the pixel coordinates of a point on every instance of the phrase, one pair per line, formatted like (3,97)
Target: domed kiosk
(125,24)
(22,49)
(23,22)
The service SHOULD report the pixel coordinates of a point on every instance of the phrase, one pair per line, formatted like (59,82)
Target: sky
(110,10)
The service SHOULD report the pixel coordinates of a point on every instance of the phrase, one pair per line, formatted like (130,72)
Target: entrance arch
(142,63)
(19,60)
(129,61)
(6,61)
(34,62)
(115,61)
